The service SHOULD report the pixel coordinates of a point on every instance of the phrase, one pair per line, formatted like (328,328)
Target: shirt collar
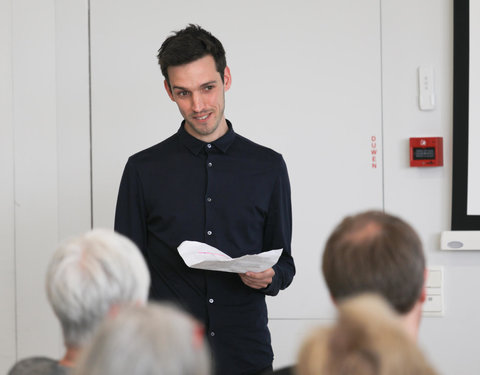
(195,145)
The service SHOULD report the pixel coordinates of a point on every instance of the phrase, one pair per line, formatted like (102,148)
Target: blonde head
(367,339)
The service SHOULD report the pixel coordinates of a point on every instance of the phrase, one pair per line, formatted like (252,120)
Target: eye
(209,87)
(182,93)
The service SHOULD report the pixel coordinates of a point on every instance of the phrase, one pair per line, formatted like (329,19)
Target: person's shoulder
(290,370)
(257,150)
(155,151)
(38,365)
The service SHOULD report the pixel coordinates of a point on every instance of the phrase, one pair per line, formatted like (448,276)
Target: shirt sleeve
(130,213)
(278,232)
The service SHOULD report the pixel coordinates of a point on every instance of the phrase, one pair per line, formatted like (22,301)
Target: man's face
(199,92)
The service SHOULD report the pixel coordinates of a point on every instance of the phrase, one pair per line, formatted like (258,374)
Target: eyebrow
(202,85)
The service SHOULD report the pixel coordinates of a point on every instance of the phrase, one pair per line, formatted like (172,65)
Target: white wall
(45,164)
(312,92)
(7,234)
(357,79)
(301,113)
(421,33)
(473,203)
(34,105)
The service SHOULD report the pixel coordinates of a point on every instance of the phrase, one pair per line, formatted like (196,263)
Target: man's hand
(258,280)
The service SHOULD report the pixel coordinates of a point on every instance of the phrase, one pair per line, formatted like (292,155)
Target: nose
(197,102)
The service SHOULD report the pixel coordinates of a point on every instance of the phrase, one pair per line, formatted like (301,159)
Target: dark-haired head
(188,45)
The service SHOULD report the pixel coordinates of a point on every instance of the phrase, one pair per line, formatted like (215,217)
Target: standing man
(207,183)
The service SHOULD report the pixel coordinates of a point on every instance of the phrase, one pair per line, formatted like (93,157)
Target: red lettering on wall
(373,151)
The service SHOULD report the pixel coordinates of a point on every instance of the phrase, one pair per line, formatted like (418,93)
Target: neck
(70,357)
(220,130)
(411,320)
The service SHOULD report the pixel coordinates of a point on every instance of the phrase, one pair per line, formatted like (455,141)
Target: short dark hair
(375,252)
(188,45)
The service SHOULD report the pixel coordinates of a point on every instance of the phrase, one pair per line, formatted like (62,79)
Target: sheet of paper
(200,255)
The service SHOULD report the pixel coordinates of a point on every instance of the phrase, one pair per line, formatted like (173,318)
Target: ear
(113,311)
(423,294)
(198,335)
(167,88)
(227,78)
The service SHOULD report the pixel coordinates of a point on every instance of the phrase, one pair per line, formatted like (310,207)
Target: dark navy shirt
(232,194)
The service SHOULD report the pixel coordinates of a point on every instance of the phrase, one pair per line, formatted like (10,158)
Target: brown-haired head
(375,252)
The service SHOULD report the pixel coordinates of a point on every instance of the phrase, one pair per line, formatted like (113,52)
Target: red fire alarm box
(426,152)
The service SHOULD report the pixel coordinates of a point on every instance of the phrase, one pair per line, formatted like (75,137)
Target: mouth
(202,117)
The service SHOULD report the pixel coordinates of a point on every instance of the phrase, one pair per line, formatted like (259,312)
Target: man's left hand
(258,280)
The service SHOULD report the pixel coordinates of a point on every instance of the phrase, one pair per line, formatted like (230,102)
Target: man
(377,252)
(207,183)
(88,278)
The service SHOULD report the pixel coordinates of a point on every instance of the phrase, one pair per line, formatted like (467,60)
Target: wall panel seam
(90,110)
(382,118)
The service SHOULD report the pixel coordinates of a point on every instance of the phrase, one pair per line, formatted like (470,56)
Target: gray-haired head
(91,274)
(147,340)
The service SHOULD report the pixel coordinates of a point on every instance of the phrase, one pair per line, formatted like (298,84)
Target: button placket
(209,230)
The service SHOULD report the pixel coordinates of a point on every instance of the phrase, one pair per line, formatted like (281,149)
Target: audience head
(188,45)
(147,340)
(89,276)
(375,252)
(367,339)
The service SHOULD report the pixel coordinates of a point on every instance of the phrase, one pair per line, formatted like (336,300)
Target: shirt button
(209,232)
(210,300)
(210,165)
(212,333)
(209,145)
(209,199)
